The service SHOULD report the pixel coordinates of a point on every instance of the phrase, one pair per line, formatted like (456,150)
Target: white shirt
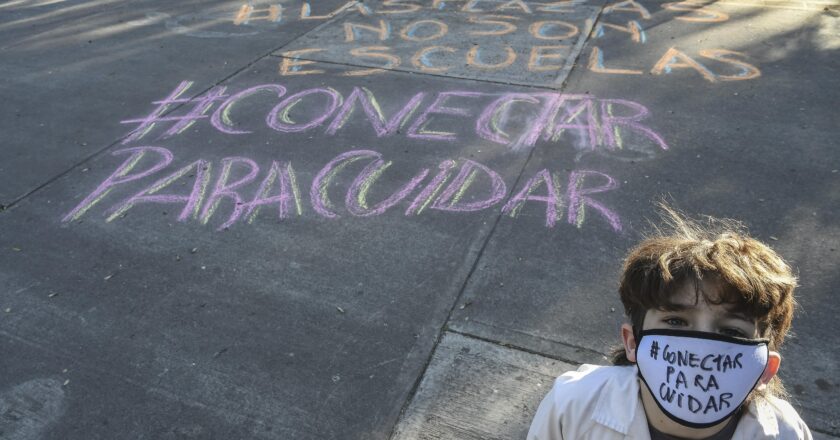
(603,403)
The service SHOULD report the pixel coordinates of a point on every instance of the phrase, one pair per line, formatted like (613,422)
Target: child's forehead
(692,294)
(702,295)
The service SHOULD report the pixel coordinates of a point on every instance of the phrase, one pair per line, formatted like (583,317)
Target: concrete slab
(50,394)
(525,43)
(67,66)
(750,135)
(551,287)
(478,390)
(315,313)
(822,436)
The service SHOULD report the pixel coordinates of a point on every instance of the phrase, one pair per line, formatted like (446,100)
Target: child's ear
(629,340)
(774,360)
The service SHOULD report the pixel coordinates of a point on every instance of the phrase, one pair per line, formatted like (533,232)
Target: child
(709,308)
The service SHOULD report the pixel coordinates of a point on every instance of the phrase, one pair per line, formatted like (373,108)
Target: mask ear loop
(636,351)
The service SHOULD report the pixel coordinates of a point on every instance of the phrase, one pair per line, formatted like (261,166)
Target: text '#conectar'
(592,124)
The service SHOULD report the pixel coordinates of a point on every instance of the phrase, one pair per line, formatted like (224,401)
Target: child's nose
(704,325)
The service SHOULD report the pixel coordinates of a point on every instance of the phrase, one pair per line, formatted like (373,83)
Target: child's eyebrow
(730,313)
(676,307)
(739,315)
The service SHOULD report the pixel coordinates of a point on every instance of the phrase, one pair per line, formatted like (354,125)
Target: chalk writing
(236,190)
(246,20)
(242,187)
(450,36)
(540,39)
(585,123)
(272,12)
(711,64)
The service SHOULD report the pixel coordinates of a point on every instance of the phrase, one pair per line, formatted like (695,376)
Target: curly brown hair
(749,274)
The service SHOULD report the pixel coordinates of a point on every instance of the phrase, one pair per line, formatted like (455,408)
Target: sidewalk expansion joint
(525,349)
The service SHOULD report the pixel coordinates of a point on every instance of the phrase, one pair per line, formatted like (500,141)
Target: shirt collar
(627,416)
(763,413)
(615,410)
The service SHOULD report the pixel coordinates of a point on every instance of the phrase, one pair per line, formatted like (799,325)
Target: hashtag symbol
(654,349)
(200,106)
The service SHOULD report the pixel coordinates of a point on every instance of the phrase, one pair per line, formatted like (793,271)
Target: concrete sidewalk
(383,219)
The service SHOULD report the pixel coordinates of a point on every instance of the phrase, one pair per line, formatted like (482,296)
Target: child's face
(692,312)
(701,316)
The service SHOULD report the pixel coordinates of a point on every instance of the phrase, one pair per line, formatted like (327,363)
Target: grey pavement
(383,219)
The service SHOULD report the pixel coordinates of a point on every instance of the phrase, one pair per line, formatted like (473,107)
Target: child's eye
(675,322)
(730,331)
